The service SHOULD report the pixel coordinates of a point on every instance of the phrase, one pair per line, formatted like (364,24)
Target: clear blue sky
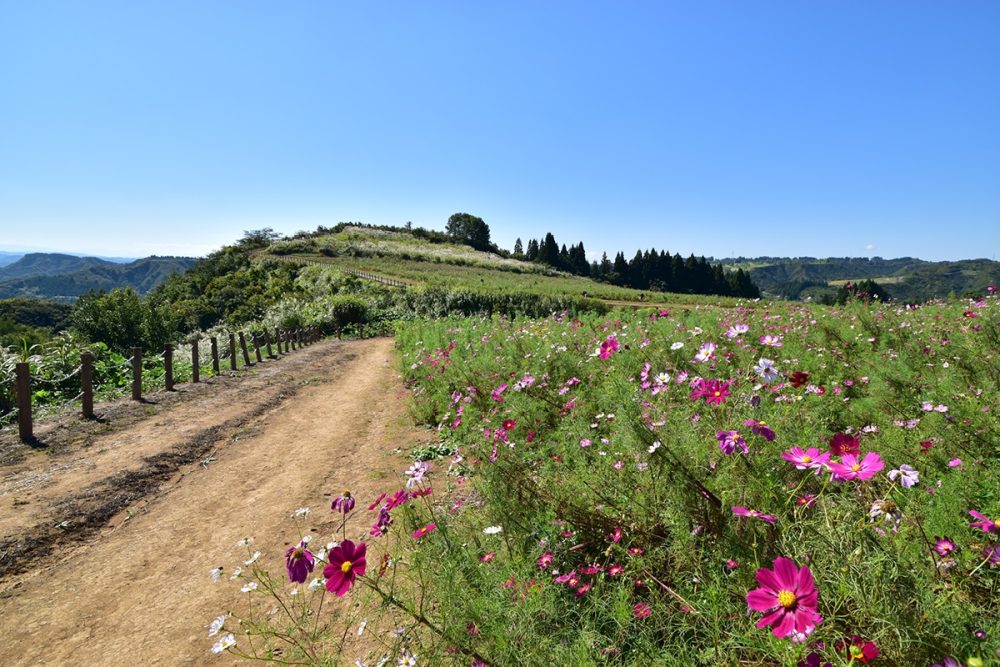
(780,128)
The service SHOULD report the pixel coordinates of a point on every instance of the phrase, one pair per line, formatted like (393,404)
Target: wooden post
(23,388)
(243,349)
(87,383)
(195,362)
(232,352)
(136,373)
(267,339)
(168,367)
(277,340)
(215,354)
(256,347)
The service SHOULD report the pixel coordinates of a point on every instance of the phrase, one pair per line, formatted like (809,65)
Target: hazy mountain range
(63,277)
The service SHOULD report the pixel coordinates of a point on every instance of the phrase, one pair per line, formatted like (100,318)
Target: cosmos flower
(986,524)
(809,459)
(299,562)
(766,370)
(730,441)
(347,563)
(906,474)
(841,444)
(343,503)
(739,510)
(850,468)
(787,597)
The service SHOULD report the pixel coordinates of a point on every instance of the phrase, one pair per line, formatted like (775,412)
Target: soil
(109,529)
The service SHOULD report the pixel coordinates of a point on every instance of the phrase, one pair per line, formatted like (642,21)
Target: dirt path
(128,582)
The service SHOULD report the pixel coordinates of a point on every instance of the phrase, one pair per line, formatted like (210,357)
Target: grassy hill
(436,263)
(905,278)
(65,277)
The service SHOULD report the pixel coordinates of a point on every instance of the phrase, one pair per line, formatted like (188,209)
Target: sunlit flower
(809,459)
(343,503)
(424,531)
(730,441)
(227,641)
(216,625)
(545,560)
(984,523)
(906,474)
(347,563)
(641,610)
(766,370)
(299,562)
(943,546)
(761,429)
(787,597)
(492,530)
(841,444)
(739,510)
(850,468)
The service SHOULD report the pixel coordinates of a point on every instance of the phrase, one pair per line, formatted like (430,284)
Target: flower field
(766,484)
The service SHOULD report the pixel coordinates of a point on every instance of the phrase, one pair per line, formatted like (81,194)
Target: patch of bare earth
(108,532)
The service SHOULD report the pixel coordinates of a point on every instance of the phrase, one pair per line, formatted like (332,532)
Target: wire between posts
(60,380)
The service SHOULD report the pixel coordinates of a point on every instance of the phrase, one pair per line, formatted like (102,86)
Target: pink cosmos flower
(347,563)
(730,441)
(771,341)
(615,570)
(608,347)
(343,503)
(616,535)
(787,597)
(583,590)
(842,443)
(641,610)
(761,429)
(943,546)
(423,531)
(497,394)
(714,392)
(739,510)
(299,562)
(850,468)
(985,523)
(809,459)
(545,560)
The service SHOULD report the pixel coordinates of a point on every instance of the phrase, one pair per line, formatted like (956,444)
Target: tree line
(647,270)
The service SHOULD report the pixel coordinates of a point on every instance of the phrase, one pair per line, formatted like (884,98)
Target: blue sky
(719,128)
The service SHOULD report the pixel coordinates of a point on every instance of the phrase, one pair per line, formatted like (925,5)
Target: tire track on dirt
(140,593)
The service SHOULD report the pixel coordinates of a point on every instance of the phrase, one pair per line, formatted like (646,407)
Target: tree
(549,250)
(532,253)
(518,248)
(470,230)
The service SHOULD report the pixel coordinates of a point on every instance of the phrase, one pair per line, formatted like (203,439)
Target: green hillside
(905,279)
(65,277)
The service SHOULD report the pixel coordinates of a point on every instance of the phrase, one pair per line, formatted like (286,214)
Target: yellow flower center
(807,459)
(297,554)
(347,494)
(346,567)
(856,467)
(786,599)
(718,393)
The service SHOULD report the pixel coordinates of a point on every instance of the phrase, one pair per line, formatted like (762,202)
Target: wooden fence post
(168,367)
(232,352)
(267,339)
(23,389)
(195,362)
(87,383)
(136,373)
(243,349)
(215,354)
(277,339)
(291,339)
(256,347)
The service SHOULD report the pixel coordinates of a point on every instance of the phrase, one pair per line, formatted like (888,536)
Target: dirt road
(107,544)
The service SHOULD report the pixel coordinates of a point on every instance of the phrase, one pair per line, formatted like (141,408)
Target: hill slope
(65,277)
(905,278)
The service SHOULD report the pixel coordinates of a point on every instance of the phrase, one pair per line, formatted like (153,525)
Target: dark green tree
(470,230)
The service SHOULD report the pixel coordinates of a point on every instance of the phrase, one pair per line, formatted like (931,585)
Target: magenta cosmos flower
(850,468)
(739,510)
(986,524)
(299,562)
(343,503)
(714,392)
(347,563)
(730,441)
(809,459)
(787,597)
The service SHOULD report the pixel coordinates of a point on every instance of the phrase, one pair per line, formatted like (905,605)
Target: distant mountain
(9,257)
(65,277)
(906,278)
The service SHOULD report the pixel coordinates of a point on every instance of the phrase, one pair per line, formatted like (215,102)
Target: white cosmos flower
(491,530)
(216,575)
(236,573)
(316,584)
(216,625)
(301,512)
(248,587)
(227,641)
(245,542)
(252,559)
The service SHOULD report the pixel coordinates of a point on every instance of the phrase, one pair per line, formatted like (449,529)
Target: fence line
(365,275)
(23,381)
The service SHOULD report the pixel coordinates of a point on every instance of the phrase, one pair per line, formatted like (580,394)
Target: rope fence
(180,363)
